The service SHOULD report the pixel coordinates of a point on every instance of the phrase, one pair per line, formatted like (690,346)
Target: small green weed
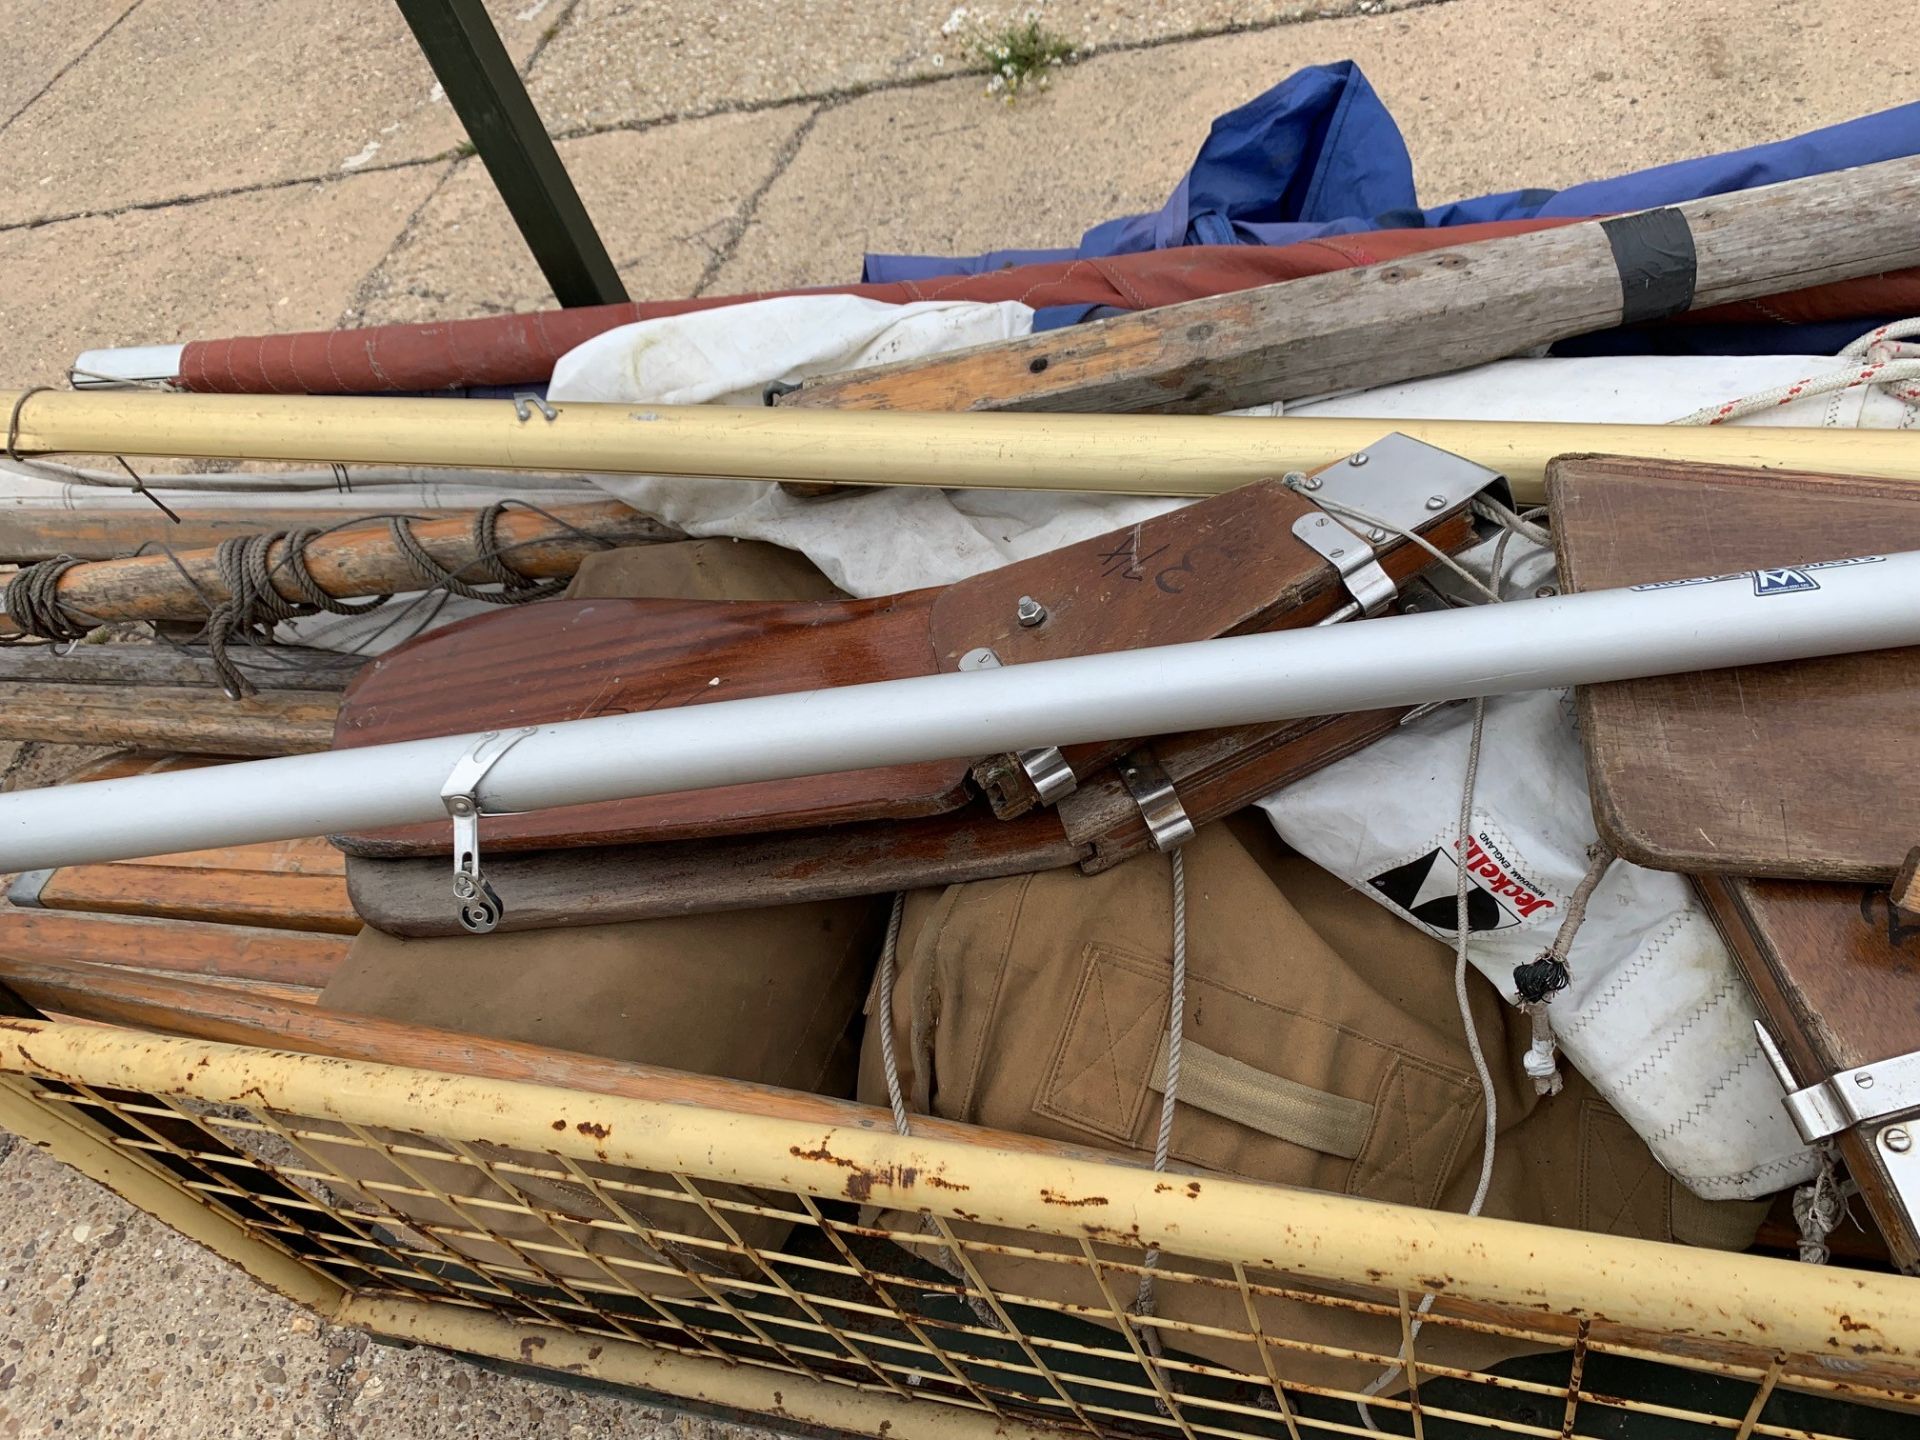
(1017,55)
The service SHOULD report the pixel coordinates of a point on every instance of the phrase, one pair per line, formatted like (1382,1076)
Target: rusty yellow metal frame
(1178,455)
(1820,1325)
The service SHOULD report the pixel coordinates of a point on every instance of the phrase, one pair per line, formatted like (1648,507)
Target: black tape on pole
(1653,252)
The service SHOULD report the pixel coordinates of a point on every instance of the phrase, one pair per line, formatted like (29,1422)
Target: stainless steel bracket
(523,398)
(1402,482)
(1167,821)
(25,890)
(1371,587)
(476,900)
(1053,779)
(1046,769)
(1394,486)
(1881,1099)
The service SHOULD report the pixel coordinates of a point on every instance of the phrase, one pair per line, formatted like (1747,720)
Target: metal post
(486,92)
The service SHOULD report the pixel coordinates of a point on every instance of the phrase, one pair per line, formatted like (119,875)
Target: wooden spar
(1423,315)
(144,942)
(285,667)
(363,560)
(42,532)
(209,1012)
(184,717)
(282,900)
(1095,454)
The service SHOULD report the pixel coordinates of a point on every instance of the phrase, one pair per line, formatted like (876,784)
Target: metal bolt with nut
(1029,612)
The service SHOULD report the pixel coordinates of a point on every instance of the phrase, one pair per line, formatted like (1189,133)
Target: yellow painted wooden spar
(1106,454)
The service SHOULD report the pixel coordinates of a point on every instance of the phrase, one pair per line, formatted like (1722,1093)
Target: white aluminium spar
(1866,603)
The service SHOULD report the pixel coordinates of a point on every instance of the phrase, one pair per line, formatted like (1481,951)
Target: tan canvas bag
(762,995)
(1323,1048)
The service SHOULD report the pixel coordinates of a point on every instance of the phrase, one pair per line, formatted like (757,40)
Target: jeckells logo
(1427,887)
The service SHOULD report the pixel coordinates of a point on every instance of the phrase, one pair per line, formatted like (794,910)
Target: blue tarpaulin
(1319,154)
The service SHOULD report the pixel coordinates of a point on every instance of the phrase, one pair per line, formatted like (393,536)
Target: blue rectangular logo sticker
(1793,580)
(1782,582)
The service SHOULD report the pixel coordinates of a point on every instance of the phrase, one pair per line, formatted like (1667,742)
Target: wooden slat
(278,857)
(183,947)
(1228,565)
(282,668)
(1836,972)
(236,897)
(1793,770)
(1422,315)
(602,884)
(306,995)
(1216,772)
(274,722)
(140,762)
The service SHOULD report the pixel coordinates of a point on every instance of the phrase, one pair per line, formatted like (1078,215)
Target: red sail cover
(521,349)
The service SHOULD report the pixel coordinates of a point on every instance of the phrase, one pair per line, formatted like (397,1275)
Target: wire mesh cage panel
(850,1278)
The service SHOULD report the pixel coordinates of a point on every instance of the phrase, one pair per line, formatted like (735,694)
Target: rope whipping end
(1542,1060)
(1540,978)
(1818,1208)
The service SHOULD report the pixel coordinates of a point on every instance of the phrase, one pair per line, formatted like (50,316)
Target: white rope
(897,1099)
(1163,1140)
(1818,1208)
(1488,508)
(1490,1128)
(889,1061)
(1878,359)
(1176,1023)
(1548,973)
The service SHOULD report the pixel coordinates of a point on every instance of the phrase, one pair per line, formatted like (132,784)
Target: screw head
(1897,1139)
(1864,1080)
(1436,502)
(1309,482)
(460,805)
(1358,459)
(1376,535)
(1029,612)
(1546,592)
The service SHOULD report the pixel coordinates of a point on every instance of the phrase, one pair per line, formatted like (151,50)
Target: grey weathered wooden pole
(1430,313)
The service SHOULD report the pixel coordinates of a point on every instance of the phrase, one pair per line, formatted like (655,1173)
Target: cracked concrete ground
(171,169)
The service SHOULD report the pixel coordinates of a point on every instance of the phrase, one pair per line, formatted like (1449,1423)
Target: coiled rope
(33,602)
(1878,358)
(251,568)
